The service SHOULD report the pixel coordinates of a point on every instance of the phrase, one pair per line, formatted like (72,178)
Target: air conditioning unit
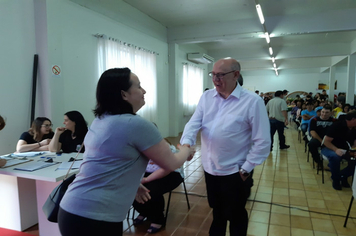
(200,58)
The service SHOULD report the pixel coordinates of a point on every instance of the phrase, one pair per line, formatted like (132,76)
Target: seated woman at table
(37,137)
(70,137)
(2,125)
(158,181)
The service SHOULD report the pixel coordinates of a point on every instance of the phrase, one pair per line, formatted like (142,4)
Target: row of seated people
(40,136)
(335,137)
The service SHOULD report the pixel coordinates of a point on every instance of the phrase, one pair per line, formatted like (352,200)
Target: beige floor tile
(277,230)
(261,207)
(279,219)
(298,201)
(314,195)
(280,210)
(257,229)
(298,186)
(319,233)
(323,225)
(316,203)
(301,222)
(280,199)
(265,197)
(301,232)
(296,193)
(280,191)
(299,211)
(278,184)
(259,216)
(263,189)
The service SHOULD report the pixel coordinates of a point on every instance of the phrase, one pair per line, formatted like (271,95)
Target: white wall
(72,46)
(17,46)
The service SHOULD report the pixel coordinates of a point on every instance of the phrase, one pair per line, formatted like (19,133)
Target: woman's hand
(60,130)
(45,142)
(191,150)
(142,194)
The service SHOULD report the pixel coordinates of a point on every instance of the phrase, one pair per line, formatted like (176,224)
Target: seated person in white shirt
(37,138)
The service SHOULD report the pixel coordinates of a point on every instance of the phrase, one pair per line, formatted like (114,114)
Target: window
(113,53)
(192,87)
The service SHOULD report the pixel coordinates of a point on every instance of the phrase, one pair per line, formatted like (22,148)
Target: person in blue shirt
(306,116)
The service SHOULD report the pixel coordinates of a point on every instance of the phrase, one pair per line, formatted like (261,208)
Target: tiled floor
(288,198)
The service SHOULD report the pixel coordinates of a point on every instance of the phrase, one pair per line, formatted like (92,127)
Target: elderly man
(337,142)
(319,126)
(234,139)
(278,118)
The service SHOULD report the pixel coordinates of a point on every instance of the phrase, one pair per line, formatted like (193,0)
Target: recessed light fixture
(260,14)
(273,59)
(270,51)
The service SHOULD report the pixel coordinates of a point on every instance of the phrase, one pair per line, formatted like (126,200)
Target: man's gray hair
(235,66)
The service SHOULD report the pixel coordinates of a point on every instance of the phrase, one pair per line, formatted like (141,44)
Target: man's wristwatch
(244,173)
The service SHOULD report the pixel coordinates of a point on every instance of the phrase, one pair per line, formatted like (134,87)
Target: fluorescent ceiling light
(274,65)
(270,51)
(260,14)
(267,37)
(277,72)
(273,60)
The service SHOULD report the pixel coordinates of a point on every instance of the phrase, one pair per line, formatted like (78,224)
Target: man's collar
(236,92)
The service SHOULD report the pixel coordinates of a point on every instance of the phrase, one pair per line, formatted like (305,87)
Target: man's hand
(243,177)
(191,149)
(286,122)
(142,194)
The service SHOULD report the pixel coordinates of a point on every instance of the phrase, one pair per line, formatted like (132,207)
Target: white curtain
(192,87)
(115,54)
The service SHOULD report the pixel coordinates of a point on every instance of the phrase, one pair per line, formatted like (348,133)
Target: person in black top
(70,137)
(2,125)
(318,129)
(337,142)
(37,137)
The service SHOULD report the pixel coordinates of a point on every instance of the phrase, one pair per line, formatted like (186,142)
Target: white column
(331,83)
(350,92)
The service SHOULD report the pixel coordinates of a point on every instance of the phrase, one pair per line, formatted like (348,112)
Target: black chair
(169,201)
(167,207)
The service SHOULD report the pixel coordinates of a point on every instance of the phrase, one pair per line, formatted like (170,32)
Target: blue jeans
(278,126)
(334,164)
(304,127)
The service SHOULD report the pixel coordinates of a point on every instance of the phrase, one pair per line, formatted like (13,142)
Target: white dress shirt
(235,132)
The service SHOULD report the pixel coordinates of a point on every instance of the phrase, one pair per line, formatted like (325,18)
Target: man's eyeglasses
(219,76)
(48,126)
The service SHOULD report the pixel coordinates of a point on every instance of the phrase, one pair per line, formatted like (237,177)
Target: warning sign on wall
(56,71)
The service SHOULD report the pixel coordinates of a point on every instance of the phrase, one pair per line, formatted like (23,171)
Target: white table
(22,195)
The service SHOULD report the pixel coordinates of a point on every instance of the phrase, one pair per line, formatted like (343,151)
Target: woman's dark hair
(108,92)
(81,126)
(2,123)
(35,129)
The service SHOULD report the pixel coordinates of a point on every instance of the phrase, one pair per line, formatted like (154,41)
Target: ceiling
(305,34)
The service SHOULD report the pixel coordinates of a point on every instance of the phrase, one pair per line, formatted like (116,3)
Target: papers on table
(35,165)
(12,162)
(66,165)
(27,154)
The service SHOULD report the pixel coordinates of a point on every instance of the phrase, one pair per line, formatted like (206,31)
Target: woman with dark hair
(70,137)
(37,137)
(118,145)
(2,125)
